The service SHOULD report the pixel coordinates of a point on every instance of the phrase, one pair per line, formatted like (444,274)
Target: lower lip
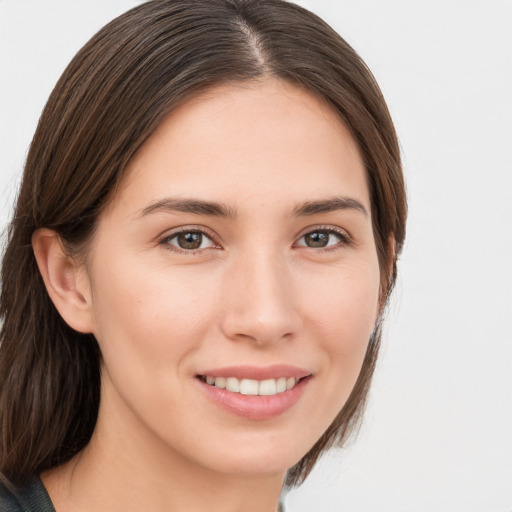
(255,407)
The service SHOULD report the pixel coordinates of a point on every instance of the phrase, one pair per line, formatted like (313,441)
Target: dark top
(30,498)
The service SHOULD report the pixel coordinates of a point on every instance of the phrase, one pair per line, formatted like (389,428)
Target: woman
(204,243)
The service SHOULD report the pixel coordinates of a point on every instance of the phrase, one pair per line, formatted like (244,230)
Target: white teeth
(290,383)
(220,382)
(266,387)
(249,387)
(233,384)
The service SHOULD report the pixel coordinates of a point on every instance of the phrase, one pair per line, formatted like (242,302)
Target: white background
(438,431)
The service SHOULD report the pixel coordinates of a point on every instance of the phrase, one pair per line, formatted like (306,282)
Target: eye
(188,240)
(324,239)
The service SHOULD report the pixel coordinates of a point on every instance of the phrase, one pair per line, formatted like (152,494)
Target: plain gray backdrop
(438,430)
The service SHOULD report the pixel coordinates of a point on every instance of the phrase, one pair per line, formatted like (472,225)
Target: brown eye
(189,240)
(317,239)
(321,238)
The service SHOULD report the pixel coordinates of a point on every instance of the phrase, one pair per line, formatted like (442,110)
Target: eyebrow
(330,205)
(195,206)
(213,209)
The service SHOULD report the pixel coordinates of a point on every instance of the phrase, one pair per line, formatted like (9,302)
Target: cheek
(150,324)
(342,315)
(151,310)
(144,324)
(154,320)
(343,300)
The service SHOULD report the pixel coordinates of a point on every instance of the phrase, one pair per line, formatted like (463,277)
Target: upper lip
(258,372)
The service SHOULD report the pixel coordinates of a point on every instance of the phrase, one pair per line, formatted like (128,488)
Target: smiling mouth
(267,387)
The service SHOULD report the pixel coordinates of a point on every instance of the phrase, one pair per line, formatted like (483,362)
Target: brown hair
(109,100)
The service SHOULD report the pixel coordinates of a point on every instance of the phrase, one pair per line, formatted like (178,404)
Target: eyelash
(344,239)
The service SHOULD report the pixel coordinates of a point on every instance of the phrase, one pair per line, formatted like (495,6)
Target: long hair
(110,99)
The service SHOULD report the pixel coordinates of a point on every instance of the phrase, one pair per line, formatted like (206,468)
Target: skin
(254,293)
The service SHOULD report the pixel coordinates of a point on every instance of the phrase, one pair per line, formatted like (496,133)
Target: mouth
(255,393)
(266,387)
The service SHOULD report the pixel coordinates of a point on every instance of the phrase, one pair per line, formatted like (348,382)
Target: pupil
(317,239)
(190,240)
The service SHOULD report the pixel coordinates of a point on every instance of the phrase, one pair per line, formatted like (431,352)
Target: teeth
(249,387)
(220,382)
(266,387)
(233,384)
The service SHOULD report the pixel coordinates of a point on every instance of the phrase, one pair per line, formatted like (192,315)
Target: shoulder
(9,499)
(31,497)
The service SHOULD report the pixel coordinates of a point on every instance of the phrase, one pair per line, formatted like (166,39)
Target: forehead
(240,143)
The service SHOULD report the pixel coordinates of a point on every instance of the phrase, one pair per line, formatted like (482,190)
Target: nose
(261,306)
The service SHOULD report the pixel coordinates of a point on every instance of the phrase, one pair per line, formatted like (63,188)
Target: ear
(67,283)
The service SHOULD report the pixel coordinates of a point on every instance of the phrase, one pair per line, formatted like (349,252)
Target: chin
(263,455)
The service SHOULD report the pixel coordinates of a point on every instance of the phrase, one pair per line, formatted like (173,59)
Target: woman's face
(238,251)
